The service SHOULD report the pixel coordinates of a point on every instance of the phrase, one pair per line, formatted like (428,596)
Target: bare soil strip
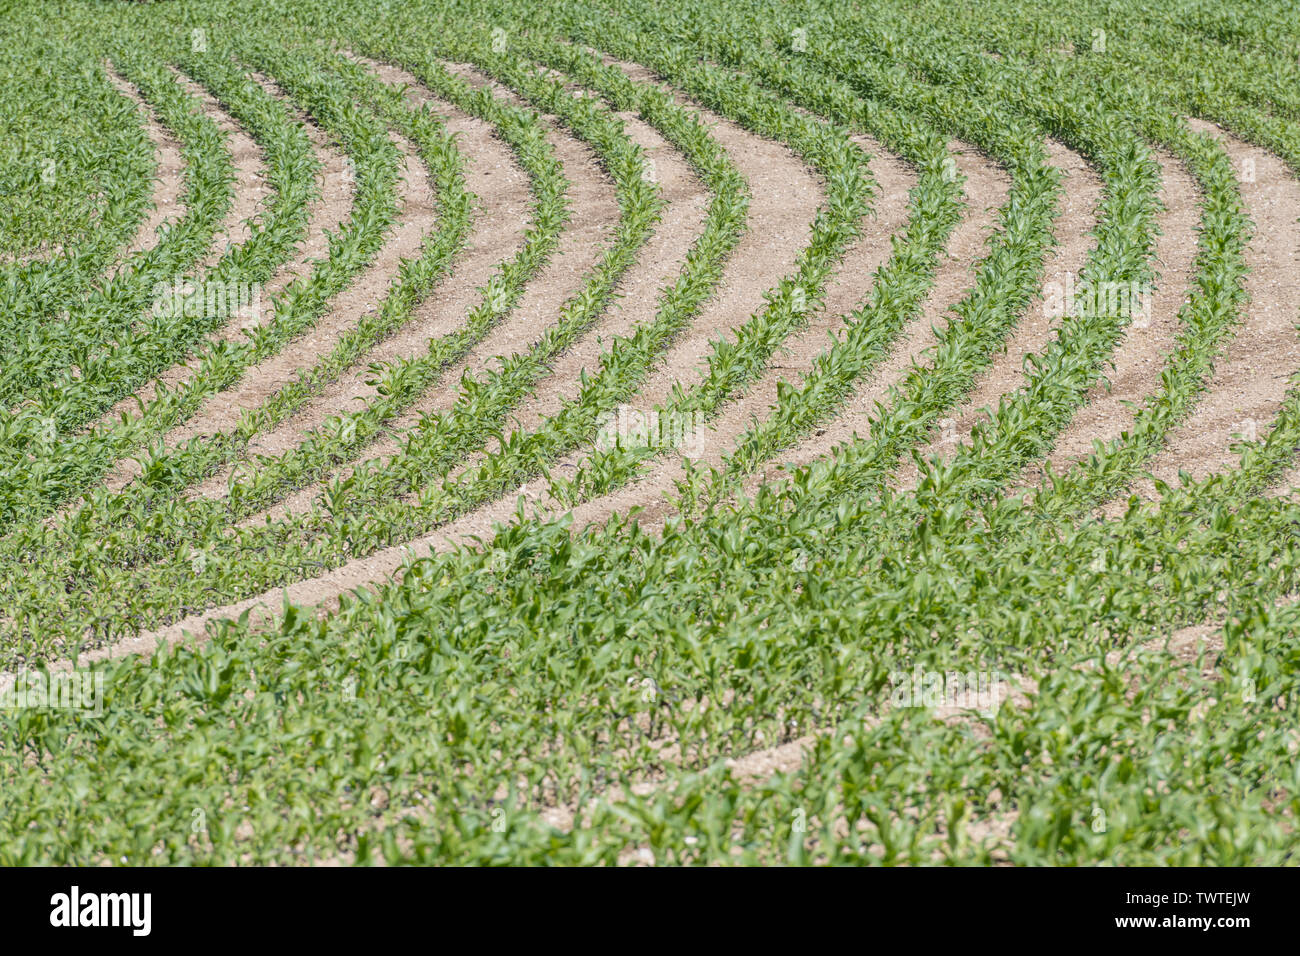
(1250,378)
(846,291)
(768,248)
(783,193)
(416,217)
(986,189)
(250,192)
(783,203)
(325,216)
(323,592)
(502,194)
(852,283)
(593,219)
(1080,198)
(681,222)
(1288,486)
(250,187)
(593,208)
(743,284)
(1140,357)
(328,213)
(167,207)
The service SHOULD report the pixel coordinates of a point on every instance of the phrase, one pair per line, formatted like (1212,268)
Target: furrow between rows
(1252,374)
(986,189)
(501,186)
(1080,199)
(167,204)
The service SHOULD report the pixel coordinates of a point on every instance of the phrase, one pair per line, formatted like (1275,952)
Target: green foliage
(726,691)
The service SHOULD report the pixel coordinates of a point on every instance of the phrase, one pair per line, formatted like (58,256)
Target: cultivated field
(649,432)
